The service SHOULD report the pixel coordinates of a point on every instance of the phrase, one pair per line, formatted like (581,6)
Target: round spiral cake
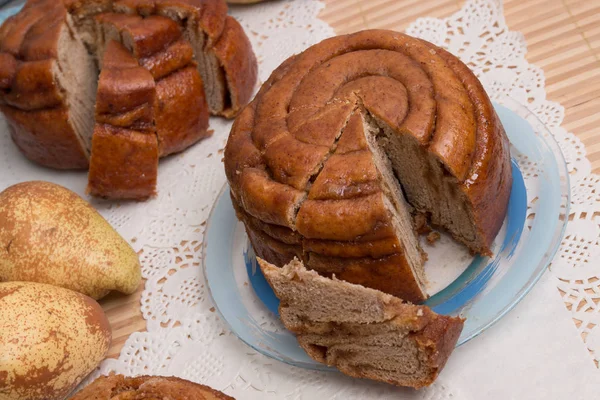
(349,140)
(188,59)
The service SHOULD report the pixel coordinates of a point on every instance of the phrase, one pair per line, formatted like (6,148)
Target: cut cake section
(368,215)
(363,332)
(425,129)
(43,60)
(124,162)
(156,42)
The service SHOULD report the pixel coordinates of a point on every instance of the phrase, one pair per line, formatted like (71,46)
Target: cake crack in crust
(48,123)
(419,135)
(52,50)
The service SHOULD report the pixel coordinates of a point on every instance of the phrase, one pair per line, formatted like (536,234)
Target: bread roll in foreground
(362,332)
(147,387)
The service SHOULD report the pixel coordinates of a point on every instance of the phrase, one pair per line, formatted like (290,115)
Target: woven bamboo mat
(563,38)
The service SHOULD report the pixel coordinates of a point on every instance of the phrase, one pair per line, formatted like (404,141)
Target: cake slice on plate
(362,332)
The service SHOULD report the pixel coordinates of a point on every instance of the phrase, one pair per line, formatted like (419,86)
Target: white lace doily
(185,337)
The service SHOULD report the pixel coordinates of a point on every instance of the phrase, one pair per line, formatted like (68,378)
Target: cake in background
(51,52)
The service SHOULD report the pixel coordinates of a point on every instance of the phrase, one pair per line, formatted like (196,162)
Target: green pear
(49,234)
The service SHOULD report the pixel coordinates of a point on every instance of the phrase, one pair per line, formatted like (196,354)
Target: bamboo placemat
(563,38)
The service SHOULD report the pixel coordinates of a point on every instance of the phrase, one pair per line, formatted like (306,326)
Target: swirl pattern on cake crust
(347,138)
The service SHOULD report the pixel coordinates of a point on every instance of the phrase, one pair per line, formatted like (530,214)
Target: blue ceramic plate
(8,8)
(479,289)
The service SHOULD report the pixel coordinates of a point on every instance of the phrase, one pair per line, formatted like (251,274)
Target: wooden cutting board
(563,38)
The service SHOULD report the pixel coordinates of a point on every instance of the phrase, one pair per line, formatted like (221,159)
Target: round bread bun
(147,387)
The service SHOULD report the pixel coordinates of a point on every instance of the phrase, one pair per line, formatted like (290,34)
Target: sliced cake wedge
(124,161)
(362,332)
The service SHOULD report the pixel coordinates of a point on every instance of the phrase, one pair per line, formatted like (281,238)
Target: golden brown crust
(439,338)
(244,1)
(268,200)
(126,91)
(31,100)
(337,181)
(152,29)
(141,7)
(181,111)
(33,86)
(46,137)
(142,36)
(286,235)
(225,38)
(244,153)
(124,162)
(373,263)
(303,133)
(119,387)
(175,56)
(389,273)
(8,70)
(151,35)
(129,167)
(208,15)
(274,249)
(491,159)
(41,40)
(14,29)
(353,249)
(160,105)
(234,51)
(364,217)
